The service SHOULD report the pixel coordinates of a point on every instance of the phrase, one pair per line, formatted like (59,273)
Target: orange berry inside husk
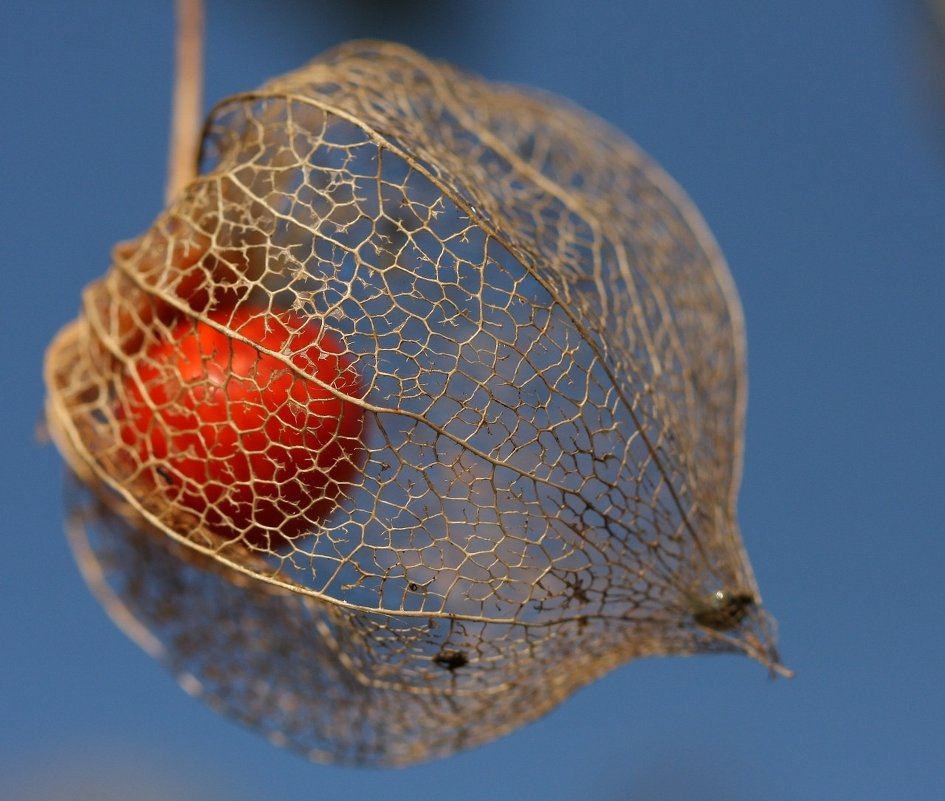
(233,435)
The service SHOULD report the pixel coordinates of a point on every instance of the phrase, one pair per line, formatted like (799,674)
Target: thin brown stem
(188,100)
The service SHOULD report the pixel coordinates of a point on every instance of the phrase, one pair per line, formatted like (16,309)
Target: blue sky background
(808,133)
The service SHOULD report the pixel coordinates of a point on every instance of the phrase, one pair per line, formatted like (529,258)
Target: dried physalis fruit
(420,407)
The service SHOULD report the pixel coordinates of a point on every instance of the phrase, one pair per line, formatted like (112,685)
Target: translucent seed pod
(550,367)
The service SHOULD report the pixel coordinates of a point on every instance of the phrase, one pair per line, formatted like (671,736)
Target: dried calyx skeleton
(552,355)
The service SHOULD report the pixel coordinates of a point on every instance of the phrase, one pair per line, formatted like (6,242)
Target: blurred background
(811,136)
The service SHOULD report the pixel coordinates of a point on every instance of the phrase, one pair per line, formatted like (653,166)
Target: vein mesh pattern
(551,352)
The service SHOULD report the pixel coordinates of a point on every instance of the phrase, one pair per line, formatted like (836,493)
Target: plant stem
(188,100)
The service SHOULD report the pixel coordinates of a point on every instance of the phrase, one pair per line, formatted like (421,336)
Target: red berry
(250,447)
